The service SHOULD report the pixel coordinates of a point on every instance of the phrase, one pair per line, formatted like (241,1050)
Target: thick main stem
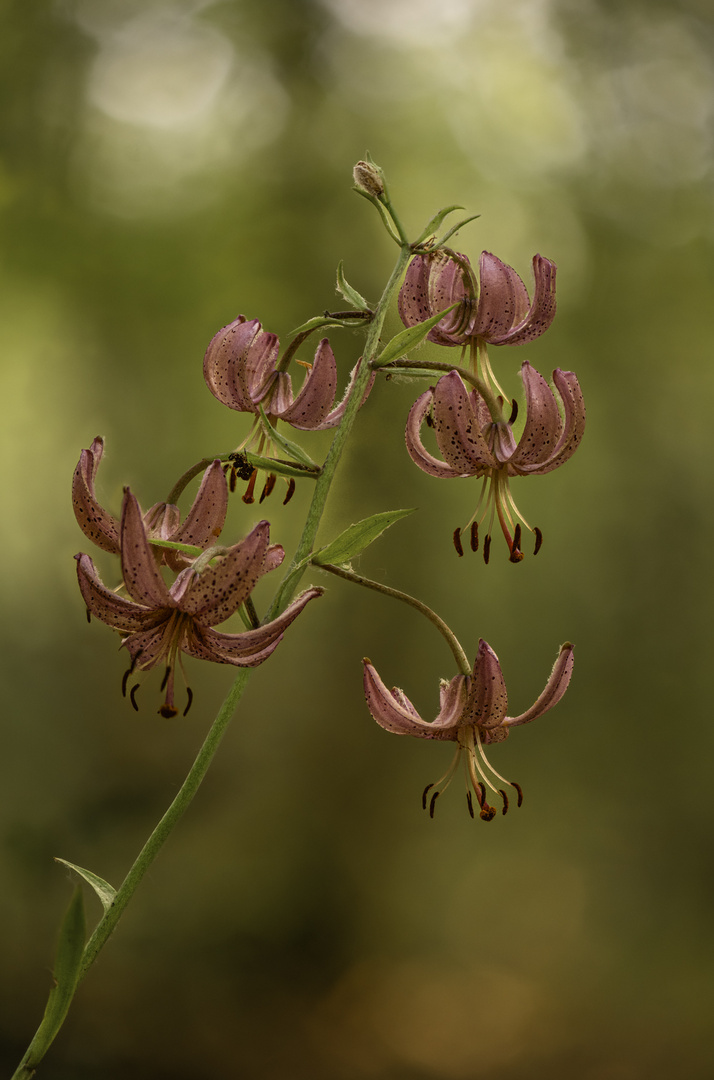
(324,481)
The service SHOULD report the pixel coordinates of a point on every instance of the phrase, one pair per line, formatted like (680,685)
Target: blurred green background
(167,166)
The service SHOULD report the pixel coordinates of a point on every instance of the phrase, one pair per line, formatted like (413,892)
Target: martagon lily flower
(159,623)
(202,525)
(495,310)
(473,715)
(473,444)
(242,370)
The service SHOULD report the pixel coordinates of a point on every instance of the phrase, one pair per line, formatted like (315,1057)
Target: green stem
(432,366)
(445,631)
(39,1045)
(324,480)
(286,591)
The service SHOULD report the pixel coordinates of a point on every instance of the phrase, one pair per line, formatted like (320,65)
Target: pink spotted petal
(218,592)
(415,447)
(554,689)
(310,408)
(124,615)
(393,711)
(543,427)
(487,699)
(206,518)
(456,428)
(431,284)
(148,647)
(335,415)
(571,431)
(142,579)
(542,311)
(503,300)
(251,647)
(96,524)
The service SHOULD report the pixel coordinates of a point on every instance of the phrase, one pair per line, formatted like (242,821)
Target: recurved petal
(415,447)
(554,689)
(393,710)
(249,648)
(456,428)
(502,303)
(335,415)
(141,575)
(543,427)
(224,364)
(571,431)
(206,518)
(488,699)
(542,310)
(116,611)
(96,524)
(317,394)
(216,593)
(431,284)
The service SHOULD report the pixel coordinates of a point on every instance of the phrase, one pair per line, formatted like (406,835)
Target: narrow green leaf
(66,972)
(315,323)
(292,449)
(102,888)
(348,293)
(435,222)
(408,339)
(356,538)
(455,229)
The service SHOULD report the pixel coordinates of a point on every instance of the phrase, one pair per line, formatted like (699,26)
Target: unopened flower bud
(369,178)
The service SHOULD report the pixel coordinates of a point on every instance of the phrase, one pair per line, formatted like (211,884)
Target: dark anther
(189,691)
(519,790)
(291,491)
(89,615)
(516,553)
(457,542)
(132,699)
(503,795)
(124,680)
(539,540)
(165,678)
(474,535)
(486,549)
(488,813)
(429,420)
(470,803)
(432,802)
(514,412)
(427,789)
(248,496)
(232,477)
(480,793)
(269,485)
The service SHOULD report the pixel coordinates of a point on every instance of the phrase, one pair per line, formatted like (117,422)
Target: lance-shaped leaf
(432,225)
(67,964)
(102,888)
(355,539)
(408,339)
(348,293)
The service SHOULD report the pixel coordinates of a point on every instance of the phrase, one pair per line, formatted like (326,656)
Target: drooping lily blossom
(496,309)
(202,525)
(473,715)
(473,444)
(159,622)
(240,370)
